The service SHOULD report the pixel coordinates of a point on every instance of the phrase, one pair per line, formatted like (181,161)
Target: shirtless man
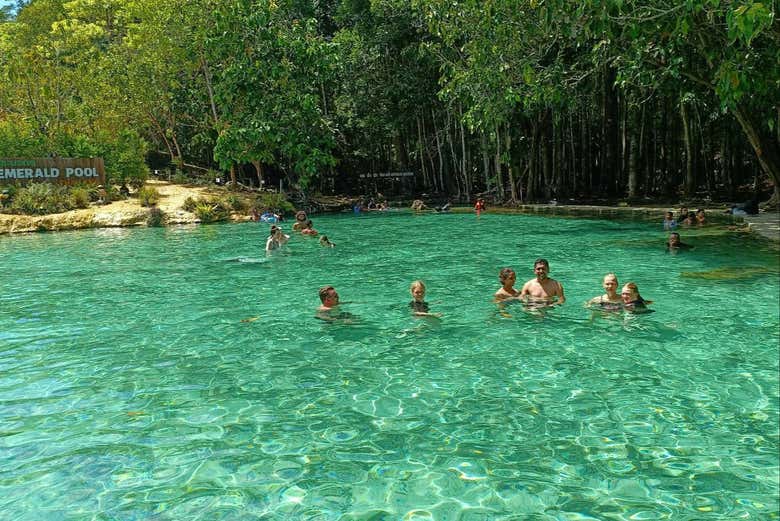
(329,309)
(542,291)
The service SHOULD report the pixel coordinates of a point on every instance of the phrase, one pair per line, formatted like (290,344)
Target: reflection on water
(180,373)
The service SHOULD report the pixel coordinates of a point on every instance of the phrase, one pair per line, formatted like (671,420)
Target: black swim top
(419,307)
(637,304)
(606,305)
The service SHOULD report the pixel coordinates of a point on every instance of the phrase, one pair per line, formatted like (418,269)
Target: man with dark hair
(329,310)
(674,244)
(542,291)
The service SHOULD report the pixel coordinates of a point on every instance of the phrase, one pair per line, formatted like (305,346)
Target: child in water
(418,305)
(507,278)
(632,300)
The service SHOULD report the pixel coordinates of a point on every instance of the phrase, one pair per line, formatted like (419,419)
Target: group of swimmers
(684,218)
(277,238)
(538,293)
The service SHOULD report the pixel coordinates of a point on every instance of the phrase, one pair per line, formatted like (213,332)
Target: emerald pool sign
(58,170)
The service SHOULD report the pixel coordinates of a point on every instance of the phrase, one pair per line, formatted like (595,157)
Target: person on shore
(669,222)
(300,221)
(308,229)
(479,206)
(325,242)
(542,291)
(749,207)
(701,219)
(610,300)
(632,300)
(507,291)
(418,305)
(255,215)
(674,244)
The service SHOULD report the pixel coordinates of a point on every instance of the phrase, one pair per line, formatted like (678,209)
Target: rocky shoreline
(129,212)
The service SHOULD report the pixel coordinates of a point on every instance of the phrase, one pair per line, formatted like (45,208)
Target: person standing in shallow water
(610,300)
(418,305)
(542,291)
(507,291)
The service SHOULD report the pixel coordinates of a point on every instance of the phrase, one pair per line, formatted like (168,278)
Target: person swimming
(610,300)
(418,305)
(507,291)
(632,300)
(324,241)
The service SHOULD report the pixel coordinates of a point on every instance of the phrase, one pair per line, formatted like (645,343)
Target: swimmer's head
(630,292)
(417,289)
(328,294)
(541,268)
(506,274)
(610,282)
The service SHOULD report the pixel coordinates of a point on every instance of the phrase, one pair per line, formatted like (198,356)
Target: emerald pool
(179,373)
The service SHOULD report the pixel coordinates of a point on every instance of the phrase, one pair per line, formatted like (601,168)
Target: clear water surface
(172,374)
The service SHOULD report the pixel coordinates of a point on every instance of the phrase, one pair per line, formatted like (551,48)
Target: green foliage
(209,209)
(180,178)
(148,196)
(79,197)
(235,203)
(41,199)
(156,217)
(189,204)
(274,200)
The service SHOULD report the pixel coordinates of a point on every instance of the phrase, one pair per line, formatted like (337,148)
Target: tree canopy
(523,100)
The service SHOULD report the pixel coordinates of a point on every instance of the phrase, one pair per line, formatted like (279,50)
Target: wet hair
(300,216)
(505,273)
(541,261)
(634,289)
(417,283)
(324,292)
(611,275)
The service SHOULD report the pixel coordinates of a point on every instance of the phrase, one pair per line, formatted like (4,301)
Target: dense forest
(523,100)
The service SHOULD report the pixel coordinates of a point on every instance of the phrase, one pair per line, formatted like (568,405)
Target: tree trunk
(511,170)
(633,152)
(767,150)
(690,178)
(259,171)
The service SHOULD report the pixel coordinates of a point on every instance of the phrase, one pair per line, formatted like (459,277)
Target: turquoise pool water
(130,387)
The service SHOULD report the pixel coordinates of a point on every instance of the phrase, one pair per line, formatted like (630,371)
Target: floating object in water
(250,319)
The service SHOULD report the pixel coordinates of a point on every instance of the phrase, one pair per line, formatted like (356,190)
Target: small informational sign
(384,175)
(59,170)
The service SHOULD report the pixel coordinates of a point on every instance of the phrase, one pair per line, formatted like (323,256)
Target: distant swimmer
(675,244)
(325,242)
(632,300)
(329,308)
(418,305)
(542,291)
(611,300)
(308,229)
(507,291)
(300,221)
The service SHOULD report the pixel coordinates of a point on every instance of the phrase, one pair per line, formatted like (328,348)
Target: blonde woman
(610,300)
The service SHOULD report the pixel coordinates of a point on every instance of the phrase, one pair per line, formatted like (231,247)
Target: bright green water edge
(130,388)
